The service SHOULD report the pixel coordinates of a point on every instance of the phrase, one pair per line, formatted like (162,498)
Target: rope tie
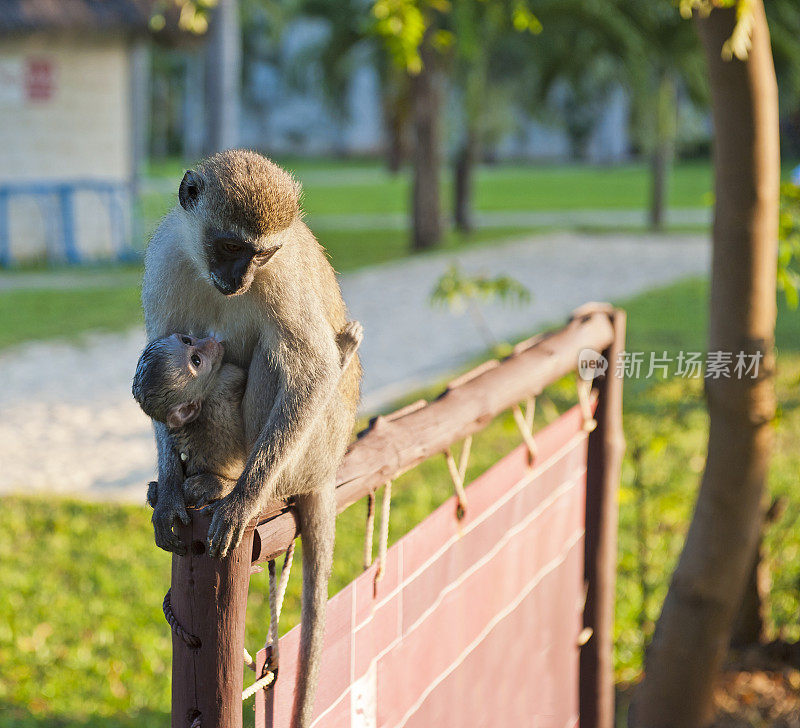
(277,592)
(370,527)
(249,661)
(525,425)
(191,640)
(585,401)
(458,473)
(288,558)
(383,540)
(261,684)
(197,720)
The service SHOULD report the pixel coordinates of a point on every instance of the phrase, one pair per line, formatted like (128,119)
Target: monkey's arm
(170,504)
(158,315)
(308,372)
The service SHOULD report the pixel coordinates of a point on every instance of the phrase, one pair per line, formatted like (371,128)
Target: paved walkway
(566,219)
(69,423)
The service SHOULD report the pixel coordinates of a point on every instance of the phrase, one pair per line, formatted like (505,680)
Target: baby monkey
(183,382)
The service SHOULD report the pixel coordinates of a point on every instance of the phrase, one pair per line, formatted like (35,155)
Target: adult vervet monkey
(235,260)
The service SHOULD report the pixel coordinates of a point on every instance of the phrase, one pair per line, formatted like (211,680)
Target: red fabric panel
(475,622)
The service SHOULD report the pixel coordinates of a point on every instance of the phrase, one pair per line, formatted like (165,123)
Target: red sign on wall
(39,79)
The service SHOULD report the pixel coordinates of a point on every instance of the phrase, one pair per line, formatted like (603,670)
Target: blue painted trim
(117,221)
(49,188)
(5,240)
(66,203)
(64,191)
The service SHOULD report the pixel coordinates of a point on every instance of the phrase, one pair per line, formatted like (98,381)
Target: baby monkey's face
(174,375)
(197,359)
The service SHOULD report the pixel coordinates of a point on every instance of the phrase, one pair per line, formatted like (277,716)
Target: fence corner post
(606,448)
(208,599)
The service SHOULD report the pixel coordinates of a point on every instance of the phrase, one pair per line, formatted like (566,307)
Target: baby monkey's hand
(168,508)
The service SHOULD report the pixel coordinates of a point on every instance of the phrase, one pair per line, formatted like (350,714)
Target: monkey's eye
(186,340)
(195,360)
(232,248)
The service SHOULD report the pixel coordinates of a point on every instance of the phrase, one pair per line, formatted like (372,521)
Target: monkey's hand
(228,524)
(152,493)
(168,508)
(201,489)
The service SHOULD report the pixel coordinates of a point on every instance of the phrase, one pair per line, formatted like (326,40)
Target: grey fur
(280,324)
(212,446)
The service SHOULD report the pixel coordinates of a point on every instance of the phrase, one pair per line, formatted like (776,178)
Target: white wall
(64,117)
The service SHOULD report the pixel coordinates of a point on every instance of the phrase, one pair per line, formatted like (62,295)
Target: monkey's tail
(318,526)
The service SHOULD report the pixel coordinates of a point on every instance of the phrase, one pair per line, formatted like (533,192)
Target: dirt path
(68,423)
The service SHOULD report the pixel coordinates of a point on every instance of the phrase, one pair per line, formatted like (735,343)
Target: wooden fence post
(208,600)
(606,447)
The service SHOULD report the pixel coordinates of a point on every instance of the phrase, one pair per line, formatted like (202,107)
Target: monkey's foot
(201,489)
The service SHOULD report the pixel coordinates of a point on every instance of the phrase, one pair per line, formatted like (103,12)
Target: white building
(72,89)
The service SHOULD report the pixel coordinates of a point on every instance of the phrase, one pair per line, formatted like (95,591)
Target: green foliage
(401,24)
(456,289)
(738,45)
(192,14)
(789,244)
(461,291)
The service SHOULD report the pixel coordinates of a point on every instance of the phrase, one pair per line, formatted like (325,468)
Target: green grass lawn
(30,315)
(82,638)
(332,187)
(353,187)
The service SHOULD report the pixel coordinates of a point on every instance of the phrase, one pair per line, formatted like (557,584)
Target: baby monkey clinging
(183,382)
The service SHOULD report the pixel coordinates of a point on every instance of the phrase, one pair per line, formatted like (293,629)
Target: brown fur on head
(245,189)
(239,206)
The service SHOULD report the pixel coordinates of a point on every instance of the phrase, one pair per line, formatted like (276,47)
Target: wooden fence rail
(208,596)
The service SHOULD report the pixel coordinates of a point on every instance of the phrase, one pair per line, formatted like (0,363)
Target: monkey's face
(233,260)
(195,361)
(238,203)
(174,375)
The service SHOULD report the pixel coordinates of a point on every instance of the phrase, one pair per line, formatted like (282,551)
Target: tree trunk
(692,634)
(462,188)
(661,159)
(395,153)
(223,77)
(193,137)
(750,626)
(658,168)
(159,127)
(427,224)
(395,104)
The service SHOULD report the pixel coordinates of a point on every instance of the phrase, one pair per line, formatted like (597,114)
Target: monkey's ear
(182,414)
(189,192)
